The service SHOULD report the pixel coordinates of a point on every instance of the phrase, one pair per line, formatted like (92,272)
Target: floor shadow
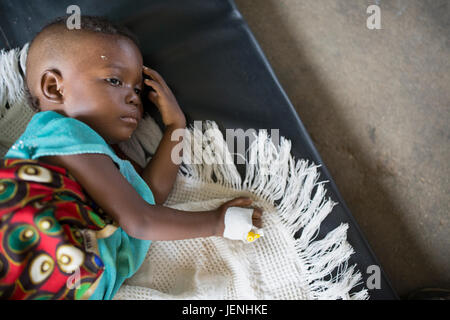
(379,215)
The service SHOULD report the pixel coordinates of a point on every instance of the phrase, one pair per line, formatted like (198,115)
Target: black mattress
(208,56)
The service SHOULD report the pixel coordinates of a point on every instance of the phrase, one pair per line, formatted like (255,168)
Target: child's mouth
(130,120)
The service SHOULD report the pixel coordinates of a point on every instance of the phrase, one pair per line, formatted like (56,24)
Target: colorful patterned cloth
(49,133)
(47,222)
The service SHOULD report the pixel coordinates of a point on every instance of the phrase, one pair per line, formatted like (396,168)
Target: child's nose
(133,98)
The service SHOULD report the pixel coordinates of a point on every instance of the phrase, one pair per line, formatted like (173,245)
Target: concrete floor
(377,106)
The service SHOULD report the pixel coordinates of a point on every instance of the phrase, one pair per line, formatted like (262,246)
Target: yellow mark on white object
(251,236)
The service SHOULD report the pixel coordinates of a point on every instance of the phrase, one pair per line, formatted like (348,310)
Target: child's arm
(161,172)
(104,183)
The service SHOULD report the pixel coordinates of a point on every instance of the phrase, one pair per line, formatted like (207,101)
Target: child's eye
(114,81)
(138,91)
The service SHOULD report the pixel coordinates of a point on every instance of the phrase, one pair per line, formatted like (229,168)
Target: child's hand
(237,202)
(164,99)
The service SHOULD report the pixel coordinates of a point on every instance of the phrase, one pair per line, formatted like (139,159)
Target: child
(86,85)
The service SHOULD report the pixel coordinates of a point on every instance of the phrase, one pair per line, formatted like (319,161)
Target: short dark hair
(89,23)
(97,24)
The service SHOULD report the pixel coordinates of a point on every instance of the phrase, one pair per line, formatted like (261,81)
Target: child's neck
(123,156)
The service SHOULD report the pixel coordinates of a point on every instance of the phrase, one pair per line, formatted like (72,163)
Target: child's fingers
(239,202)
(155,76)
(257,223)
(155,85)
(257,213)
(256,217)
(152,96)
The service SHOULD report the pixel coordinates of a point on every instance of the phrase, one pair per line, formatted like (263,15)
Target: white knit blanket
(276,266)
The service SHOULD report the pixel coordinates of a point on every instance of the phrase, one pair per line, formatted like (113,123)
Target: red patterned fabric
(44,220)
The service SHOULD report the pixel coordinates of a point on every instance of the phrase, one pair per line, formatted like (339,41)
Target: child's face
(102,86)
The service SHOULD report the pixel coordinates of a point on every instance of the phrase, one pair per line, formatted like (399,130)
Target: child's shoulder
(51,133)
(53,123)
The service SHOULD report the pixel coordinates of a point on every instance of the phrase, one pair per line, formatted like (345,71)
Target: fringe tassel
(209,159)
(274,175)
(15,112)
(11,82)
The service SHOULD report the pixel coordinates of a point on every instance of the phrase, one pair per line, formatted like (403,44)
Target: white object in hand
(238,223)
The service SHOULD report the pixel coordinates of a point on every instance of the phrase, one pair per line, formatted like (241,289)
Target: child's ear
(52,86)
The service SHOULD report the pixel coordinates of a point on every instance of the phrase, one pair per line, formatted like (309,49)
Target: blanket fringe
(273,175)
(11,82)
(15,111)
